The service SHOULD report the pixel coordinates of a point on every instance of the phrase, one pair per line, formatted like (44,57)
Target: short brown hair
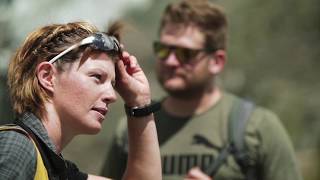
(209,17)
(26,93)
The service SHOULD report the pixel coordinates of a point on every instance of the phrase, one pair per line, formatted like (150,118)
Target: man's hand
(196,174)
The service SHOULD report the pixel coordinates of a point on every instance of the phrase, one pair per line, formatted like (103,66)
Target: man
(193,123)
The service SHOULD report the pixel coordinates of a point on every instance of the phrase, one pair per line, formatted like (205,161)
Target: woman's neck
(56,132)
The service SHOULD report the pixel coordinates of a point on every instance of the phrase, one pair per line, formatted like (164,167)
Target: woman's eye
(96,76)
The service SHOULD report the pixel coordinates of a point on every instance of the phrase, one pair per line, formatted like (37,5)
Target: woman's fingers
(130,62)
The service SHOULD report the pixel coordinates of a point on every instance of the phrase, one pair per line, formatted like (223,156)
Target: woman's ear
(45,75)
(217,61)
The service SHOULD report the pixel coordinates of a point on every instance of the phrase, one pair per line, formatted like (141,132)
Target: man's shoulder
(231,98)
(260,116)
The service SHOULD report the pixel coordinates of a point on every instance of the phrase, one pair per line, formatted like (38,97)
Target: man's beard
(189,92)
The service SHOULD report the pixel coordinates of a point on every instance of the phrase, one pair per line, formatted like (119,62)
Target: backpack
(41,171)
(239,116)
(55,165)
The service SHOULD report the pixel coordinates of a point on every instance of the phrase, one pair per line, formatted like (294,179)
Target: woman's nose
(109,96)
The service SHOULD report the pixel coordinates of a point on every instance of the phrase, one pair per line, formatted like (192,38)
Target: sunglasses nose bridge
(172,58)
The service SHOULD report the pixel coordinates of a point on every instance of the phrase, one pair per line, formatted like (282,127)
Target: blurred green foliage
(273,51)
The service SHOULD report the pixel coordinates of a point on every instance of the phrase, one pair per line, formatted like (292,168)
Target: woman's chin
(93,129)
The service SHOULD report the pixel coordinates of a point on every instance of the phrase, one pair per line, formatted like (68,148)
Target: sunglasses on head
(98,41)
(184,55)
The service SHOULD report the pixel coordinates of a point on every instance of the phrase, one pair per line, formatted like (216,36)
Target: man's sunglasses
(184,55)
(98,41)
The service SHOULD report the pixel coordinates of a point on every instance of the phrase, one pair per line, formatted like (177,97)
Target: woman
(61,83)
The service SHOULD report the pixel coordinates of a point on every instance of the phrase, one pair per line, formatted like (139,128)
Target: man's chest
(196,144)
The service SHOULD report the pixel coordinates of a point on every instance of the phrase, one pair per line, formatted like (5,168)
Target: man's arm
(277,154)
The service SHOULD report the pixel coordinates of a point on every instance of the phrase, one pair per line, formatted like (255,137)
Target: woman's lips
(101,110)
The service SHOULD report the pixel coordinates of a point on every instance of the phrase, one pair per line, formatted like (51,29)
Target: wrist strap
(142,111)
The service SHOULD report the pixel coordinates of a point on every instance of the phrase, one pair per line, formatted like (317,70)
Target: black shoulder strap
(213,168)
(239,118)
(240,113)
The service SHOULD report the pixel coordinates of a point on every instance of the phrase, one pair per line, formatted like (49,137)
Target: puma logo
(201,140)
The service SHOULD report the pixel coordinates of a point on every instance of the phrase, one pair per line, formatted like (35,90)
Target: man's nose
(172,60)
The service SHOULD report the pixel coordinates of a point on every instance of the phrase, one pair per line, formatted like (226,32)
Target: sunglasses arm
(85,41)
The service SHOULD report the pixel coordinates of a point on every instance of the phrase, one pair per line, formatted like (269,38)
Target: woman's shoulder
(17,155)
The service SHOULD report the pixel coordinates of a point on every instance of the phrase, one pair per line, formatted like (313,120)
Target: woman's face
(83,92)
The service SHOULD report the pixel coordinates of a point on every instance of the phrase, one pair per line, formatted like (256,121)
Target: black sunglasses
(98,41)
(184,55)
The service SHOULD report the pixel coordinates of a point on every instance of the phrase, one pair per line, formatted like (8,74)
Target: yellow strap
(41,171)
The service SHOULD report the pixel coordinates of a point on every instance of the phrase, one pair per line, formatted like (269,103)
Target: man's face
(183,77)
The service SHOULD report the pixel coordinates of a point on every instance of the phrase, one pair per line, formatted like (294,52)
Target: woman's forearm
(144,162)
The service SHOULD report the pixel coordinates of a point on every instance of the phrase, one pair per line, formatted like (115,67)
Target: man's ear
(45,75)
(217,61)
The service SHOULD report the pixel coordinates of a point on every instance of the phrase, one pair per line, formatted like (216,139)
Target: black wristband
(142,111)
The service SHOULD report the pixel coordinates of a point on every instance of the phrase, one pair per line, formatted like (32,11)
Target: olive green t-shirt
(197,140)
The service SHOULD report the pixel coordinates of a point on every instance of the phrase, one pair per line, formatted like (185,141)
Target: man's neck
(193,105)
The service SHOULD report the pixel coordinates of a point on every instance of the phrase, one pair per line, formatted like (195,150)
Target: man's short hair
(208,17)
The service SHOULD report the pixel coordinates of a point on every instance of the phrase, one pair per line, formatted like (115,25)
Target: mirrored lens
(108,44)
(160,50)
(184,55)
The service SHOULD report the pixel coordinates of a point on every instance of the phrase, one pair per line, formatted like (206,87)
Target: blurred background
(273,59)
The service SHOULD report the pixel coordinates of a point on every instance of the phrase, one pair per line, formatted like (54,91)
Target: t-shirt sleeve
(276,155)
(17,156)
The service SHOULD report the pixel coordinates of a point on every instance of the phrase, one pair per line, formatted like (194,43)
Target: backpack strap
(239,118)
(41,171)
(55,164)
(213,168)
